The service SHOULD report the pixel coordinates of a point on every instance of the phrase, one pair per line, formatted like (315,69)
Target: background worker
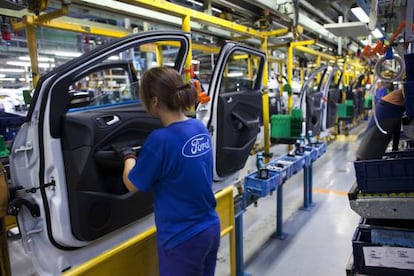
(176,164)
(389,112)
(380,92)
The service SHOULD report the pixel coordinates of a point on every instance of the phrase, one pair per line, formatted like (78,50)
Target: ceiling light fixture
(67,54)
(11,70)
(360,14)
(42,59)
(377,33)
(8,79)
(27,64)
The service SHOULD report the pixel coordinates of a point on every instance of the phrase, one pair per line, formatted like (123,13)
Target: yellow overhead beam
(315,53)
(277,32)
(174,9)
(302,43)
(70,24)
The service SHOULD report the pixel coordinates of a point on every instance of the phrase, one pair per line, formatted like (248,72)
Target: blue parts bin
(10,124)
(385,175)
(380,249)
(261,187)
(281,167)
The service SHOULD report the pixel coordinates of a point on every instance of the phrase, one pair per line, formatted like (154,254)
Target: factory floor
(318,241)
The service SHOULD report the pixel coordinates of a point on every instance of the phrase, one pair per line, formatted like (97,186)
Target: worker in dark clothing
(176,164)
(389,111)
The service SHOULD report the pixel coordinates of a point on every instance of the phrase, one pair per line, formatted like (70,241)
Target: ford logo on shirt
(197,146)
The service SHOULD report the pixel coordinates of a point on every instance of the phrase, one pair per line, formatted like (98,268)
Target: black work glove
(125,152)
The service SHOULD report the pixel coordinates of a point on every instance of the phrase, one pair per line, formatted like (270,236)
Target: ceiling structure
(261,15)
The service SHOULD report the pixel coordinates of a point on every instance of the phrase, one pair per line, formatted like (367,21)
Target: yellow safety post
(318,64)
(158,54)
(290,75)
(138,255)
(32,47)
(188,62)
(302,76)
(4,250)
(265,104)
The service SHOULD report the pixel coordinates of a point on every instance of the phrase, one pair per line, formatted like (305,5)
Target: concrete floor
(319,241)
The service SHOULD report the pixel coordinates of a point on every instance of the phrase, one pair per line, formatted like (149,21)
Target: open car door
(72,204)
(332,97)
(234,113)
(311,100)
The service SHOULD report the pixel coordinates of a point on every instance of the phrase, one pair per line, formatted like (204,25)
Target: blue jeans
(194,257)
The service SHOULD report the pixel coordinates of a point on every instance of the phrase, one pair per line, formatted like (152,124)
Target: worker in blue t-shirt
(380,92)
(176,164)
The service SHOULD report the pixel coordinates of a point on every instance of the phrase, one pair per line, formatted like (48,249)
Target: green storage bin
(368,102)
(4,151)
(297,113)
(280,126)
(295,126)
(342,110)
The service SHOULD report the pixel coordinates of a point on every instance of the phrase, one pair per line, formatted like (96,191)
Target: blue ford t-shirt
(176,164)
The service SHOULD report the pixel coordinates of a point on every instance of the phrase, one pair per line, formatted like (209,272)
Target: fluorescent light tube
(360,14)
(43,59)
(27,64)
(377,33)
(67,54)
(11,70)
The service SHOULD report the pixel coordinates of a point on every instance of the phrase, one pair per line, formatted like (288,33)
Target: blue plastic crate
(261,187)
(321,148)
(362,243)
(284,165)
(385,176)
(312,151)
(297,162)
(307,159)
(10,124)
(283,169)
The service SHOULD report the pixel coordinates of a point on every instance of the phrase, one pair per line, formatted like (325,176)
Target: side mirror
(80,98)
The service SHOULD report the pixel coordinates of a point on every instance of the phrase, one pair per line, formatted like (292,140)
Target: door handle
(229,100)
(115,119)
(107,120)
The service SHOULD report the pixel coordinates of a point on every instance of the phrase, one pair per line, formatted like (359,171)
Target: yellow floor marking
(346,138)
(331,192)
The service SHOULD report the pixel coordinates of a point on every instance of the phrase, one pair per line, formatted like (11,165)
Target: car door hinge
(34,189)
